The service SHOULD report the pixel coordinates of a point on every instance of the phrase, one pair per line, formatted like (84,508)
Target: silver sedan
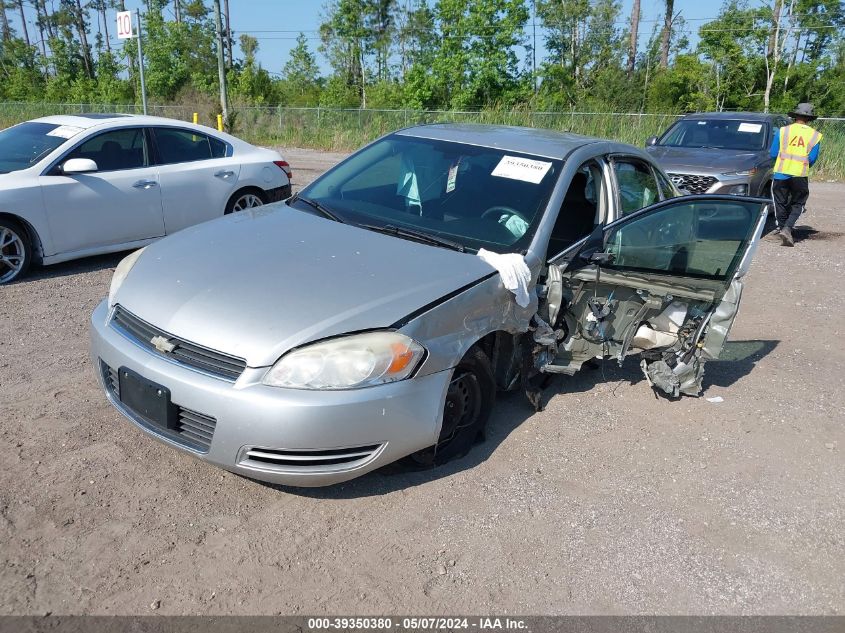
(374,318)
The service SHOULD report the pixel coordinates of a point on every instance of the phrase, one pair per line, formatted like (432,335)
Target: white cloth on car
(514,272)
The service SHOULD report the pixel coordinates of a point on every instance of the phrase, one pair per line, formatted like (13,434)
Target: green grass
(346,130)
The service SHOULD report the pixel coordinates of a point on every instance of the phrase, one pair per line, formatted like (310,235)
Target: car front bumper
(283,436)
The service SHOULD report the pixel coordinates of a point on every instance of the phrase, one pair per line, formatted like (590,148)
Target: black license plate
(147,399)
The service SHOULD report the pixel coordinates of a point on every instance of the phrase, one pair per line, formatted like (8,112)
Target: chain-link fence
(347,129)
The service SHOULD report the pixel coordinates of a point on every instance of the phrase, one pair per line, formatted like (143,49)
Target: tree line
(441,54)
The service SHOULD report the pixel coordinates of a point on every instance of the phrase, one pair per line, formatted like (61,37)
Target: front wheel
(243,200)
(467,407)
(15,251)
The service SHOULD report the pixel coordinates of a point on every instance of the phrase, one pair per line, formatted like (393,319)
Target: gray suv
(719,152)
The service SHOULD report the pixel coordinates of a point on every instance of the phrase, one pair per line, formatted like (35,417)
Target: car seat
(110,156)
(577,216)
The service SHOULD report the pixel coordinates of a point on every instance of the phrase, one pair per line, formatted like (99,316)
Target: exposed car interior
(582,209)
(666,271)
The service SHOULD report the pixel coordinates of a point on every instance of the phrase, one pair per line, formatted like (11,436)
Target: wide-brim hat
(804,110)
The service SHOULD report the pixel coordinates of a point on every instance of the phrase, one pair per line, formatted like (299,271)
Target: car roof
(86,121)
(107,121)
(748,116)
(525,140)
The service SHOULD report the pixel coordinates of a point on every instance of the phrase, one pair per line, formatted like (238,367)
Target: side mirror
(79,166)
(652,141)
(685,192)
(592,245)
(598,257)
(602,258)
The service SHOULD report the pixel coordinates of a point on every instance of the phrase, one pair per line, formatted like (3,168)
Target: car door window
(184,146)
(667,189)
(700,239)
(115,150)
(636,184)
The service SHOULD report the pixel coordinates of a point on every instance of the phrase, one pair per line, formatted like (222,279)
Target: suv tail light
(284,166)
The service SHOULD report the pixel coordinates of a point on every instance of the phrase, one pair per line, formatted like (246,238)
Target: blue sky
(257,16)
(276,23)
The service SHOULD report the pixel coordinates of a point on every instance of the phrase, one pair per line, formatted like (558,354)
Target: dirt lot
(610,501)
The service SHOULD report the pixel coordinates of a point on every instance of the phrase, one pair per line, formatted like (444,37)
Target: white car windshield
(476,197)
(24,145)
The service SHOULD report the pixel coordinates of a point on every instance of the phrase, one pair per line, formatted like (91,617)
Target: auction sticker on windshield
(525,169)
(753,128)
(65,131)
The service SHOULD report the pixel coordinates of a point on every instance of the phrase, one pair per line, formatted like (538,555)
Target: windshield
(733,134)
(24,145)
(477,197)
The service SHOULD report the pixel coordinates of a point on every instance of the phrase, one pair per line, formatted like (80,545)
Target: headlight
(120,273)
(742,172)
(350,362)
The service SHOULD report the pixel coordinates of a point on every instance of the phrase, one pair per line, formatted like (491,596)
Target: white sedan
(80,185)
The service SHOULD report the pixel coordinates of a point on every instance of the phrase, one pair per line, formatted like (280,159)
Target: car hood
(704,158)
(258,283)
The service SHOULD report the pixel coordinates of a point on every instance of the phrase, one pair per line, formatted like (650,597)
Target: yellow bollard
(219,122)
(196,118)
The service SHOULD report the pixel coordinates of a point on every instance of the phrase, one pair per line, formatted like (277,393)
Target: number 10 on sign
(124,25)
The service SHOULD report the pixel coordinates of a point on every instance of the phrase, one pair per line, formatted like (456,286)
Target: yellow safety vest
(796,143)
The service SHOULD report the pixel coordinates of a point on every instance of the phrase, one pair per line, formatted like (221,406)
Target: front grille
(308,459)
(693,183)
(112,381)
(195,429)
(184,352)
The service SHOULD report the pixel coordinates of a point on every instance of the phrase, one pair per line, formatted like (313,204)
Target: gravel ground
(610,501)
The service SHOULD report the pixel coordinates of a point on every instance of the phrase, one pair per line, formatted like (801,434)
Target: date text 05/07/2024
(417,623)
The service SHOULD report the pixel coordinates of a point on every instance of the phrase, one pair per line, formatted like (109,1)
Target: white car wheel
(244,200)
(15,252)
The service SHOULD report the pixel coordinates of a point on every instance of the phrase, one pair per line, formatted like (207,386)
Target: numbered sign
(124,24)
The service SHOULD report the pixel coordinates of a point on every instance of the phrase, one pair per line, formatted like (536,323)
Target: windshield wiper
(411,234)
(331,215)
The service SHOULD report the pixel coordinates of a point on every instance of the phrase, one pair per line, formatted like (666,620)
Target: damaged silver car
(374,316)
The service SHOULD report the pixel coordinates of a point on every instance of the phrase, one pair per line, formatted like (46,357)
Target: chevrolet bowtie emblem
(162,344)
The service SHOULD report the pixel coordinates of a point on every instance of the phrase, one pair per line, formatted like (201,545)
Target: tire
(466,410)
(15,251)
(245,199)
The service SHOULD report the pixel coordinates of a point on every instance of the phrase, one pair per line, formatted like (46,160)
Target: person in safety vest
(795,149)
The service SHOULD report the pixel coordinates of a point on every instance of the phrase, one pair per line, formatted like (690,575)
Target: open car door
(664,282)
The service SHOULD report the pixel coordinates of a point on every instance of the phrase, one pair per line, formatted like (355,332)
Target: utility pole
(534,45)
(141,62)
(228,32)
(221,64)
(632,45)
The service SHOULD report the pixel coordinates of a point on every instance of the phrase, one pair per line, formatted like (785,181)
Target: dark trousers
(790,197)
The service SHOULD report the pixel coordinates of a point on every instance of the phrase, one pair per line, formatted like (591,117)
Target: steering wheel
(499,210)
